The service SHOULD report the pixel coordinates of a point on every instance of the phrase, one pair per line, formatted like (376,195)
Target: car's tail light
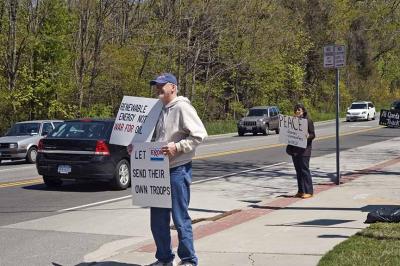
(40,146)
(102,148)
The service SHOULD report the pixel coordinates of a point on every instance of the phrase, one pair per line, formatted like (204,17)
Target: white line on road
(17,168)
(356,126)
(95,203)
(195,182)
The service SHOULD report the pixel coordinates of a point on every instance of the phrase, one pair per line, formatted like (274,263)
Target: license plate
(64,169)
(249,128)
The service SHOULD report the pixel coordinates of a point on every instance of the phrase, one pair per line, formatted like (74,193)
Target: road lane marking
(95,204)
(360,126)
(22,182)
(217,154)
(195,182)
(16,169)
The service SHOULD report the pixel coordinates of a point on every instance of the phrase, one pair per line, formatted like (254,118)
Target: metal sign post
(337,128)
(335,57)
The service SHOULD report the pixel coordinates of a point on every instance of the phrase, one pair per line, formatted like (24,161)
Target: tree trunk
(81,47)
(12,45)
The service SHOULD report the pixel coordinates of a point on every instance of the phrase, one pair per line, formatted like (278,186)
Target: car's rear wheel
(52,182)
(122,177)
(373,118)
(31,155)
(277,131)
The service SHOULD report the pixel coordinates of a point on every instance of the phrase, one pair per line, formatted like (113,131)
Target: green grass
(377,245)
(316,117)
(220,127)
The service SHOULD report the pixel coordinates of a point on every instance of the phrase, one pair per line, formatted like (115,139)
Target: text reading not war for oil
(131,113)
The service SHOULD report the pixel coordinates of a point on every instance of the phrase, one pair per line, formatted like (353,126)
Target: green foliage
(79,58)
(99,111)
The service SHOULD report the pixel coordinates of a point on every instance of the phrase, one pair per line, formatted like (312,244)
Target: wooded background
(68,58)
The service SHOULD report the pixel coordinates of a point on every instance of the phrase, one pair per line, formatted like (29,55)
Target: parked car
(361,111)
(22,139)
(260,119)
(395,105)
(80,150)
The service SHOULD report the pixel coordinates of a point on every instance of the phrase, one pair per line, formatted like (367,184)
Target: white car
(361,111)
(21,141)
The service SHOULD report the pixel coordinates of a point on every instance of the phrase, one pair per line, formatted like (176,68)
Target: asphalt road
(23,197)
(217,157)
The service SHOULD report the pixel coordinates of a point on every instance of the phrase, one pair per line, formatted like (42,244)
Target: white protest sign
(136,120)
(293,131)
(150,177)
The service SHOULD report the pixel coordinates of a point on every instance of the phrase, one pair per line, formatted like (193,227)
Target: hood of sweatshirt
(176,101)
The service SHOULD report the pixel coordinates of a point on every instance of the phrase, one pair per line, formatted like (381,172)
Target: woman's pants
(304,180)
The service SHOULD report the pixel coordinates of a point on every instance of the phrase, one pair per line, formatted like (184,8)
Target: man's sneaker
(307,196)
(186,263)
(159,263)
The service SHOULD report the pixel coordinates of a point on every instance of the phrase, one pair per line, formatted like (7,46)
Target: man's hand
(129,149)
(170,149)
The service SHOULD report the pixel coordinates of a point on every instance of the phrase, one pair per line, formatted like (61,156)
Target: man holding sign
(181,128)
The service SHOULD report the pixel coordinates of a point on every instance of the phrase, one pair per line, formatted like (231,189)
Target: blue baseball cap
(164,79)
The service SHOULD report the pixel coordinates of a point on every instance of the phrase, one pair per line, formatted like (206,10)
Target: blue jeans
(181,177)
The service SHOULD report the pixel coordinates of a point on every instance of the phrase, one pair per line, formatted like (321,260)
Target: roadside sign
(136,120)
(329,56)
(293,131)
(150,176)
(340,56)
(334,56)
(390,118)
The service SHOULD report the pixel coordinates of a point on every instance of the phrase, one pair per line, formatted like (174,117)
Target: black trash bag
(386,215)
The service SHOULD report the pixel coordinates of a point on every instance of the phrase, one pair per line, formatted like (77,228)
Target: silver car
(21,141)
(260,119)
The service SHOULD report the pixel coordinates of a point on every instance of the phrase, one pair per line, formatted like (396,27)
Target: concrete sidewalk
(266,227)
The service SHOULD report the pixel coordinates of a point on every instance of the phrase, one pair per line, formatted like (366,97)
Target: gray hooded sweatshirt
(179,123)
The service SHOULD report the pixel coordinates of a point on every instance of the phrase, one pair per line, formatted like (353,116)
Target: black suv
(395,105)
(80,149)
